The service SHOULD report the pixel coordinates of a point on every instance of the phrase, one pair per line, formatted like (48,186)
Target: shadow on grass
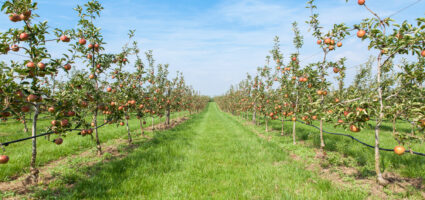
(155,157)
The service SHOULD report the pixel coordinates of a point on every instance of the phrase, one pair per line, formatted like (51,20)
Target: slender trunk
(168,116)
(322,141)
(395,129)
(294,124)
(25,124)
(379,177)
(153,128)
(281,133)
(141,128)
(33,169)
(253,114)
(293,132)
(98,147)
(128,132)
(267,127)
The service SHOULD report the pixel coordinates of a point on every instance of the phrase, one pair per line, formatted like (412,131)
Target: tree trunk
(295,115)
(253,115)
(98,146)
(168,116)
(25,124)
(141,128)
(379,177)
(395,129)
(322,142)
(153,128)
(267,127)
(33,168)
(293,132)
(281,133)
(128,132)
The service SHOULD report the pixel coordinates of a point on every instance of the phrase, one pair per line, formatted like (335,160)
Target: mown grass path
(210,156)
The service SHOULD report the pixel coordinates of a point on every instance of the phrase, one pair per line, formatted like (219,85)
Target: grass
(343,152)
(406,165)
(20,153)
(210,156)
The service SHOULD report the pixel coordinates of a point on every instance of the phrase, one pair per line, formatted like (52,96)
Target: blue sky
(215,43)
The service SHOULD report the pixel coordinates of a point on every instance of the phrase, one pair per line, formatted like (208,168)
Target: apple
(23,36)
(354,128)
(51,110)
(15,47)
(361,33)
(84,104)
(58,141)
(41,66)
(32,98)
(14,17)
(25,109)
(336,69)
(30,65)
(4,159)
(399,150)
(64,38)
(82,41)
(64,122)
(67,67)
(327,41)
(70,113)
(54,122)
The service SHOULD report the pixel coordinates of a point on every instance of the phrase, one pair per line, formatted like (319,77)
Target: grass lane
(20,153)
(210,156)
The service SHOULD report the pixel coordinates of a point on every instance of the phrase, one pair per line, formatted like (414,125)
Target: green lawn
(210,156)
(20,153)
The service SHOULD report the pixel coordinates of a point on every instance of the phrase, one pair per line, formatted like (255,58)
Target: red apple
(82,41)
(23,36)
(4,159)
(30,65)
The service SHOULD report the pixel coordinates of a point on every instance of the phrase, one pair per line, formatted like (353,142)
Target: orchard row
(101,82)
(305,92)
